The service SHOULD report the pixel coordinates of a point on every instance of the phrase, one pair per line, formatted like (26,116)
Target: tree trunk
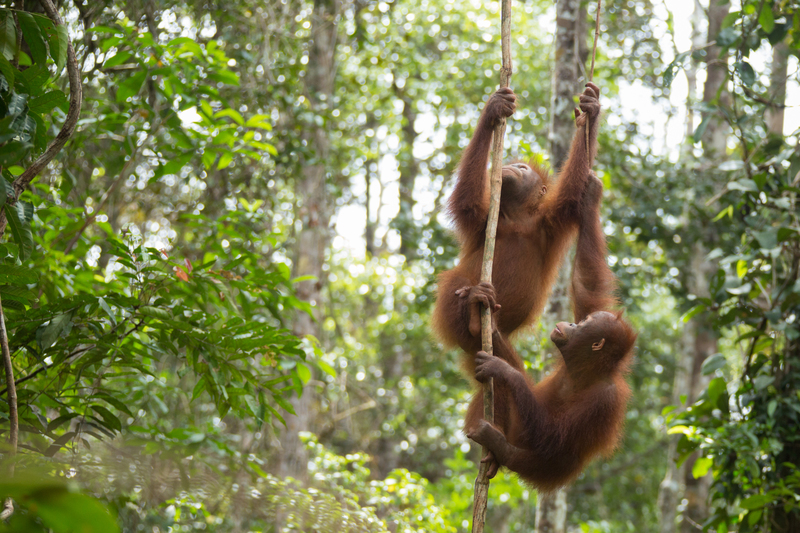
(409,169)
(715,136)
(702,343)
(777,87)
(314,215)
(551,512)
(569,33)
(570,54)
(700,337)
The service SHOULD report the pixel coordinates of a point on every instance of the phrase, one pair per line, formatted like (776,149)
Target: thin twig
(481,497)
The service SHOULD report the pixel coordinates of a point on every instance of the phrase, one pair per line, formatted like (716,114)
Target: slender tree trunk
(670,491)
(570,55)
(314,215)
(698,40)
(409,169)
(702,342)
(777,87)
(700,339)
(715,136)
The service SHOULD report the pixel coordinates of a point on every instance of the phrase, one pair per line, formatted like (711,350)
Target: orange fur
(545,432)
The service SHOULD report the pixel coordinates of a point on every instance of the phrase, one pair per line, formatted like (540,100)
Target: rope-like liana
(482,482)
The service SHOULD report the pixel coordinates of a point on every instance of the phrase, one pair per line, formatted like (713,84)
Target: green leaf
(108,417)
(118,59)
(225,160)
(746,72)
(755,501)
(9,72)
(762,381)
(773,405)
(131,87)
(697,309)
(741,268)
(743,185)
(766,18)
(716,390)
(34,38)
(225,76)
(107,309)
(8,37)
(713,363)
(303,373)
(20,230)
(67,512)
(48,101)
(701,466)
(53,330)
(259,121)
(673,68)
(176,164)
(727,36)
(701,129)
(738,291)
(232,114)
(58,50)
(154,312)
(768,238)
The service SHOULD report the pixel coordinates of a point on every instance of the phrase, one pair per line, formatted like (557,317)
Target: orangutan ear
(598,345)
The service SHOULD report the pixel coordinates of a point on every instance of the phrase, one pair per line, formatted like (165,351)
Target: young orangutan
(552,429)
(534,231)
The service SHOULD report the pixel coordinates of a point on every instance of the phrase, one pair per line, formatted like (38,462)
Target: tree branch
(75,98)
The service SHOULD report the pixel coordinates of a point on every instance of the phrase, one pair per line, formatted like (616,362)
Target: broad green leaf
(716,389)
(56,40)
(118,59)
(54,329)
(47,102)
(738,291)
(67,512)
(259,121)
(773,405)
(303,373)
(154,312)
(225,160)
(232,114)
(766,18)
(107,309)
(755,501)
(713,363)
(108,417)
(701,129)
(21,231)
(762,381)
(741,268)
(8,71)
(33,37)
(701,467)
(746,72)
(672,68)
(8,37)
